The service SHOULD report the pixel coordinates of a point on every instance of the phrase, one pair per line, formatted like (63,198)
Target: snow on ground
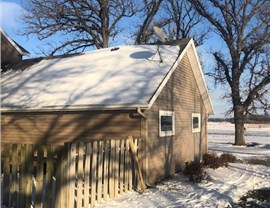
(227,184)
(221,138)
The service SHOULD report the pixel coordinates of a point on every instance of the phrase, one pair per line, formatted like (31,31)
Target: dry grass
(258,161)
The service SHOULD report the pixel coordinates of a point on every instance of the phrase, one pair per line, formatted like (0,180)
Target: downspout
(206,131)
(139,111)
(145,129)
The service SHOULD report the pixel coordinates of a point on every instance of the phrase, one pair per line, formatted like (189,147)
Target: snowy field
(221,136)
(227,184)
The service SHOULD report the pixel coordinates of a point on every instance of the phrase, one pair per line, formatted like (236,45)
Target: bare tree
(149,9)
(185,21)
(244,63)
(84,23)
(176,17)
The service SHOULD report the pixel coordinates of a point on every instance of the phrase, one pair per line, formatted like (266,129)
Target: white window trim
(199,118)
(166,133)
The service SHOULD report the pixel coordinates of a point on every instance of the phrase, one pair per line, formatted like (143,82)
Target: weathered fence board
(22,185)
(111,174)
(71,171)
(116,168)
(64,185)
(29,173)
(87,174)
(122,167)
(106,170)
(6,171)
(100,167)
(49,178)
(93,173)
(80,175)
(75,175)
(39,177)
(14,175)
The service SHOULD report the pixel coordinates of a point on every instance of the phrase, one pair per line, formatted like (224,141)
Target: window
(196,122)
(166,123)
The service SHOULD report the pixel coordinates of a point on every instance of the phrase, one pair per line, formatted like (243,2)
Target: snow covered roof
(122,77)
(22,51)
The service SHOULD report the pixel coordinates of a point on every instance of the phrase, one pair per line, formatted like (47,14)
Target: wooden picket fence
(75,175)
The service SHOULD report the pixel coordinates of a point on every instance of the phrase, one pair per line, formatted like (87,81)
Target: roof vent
(115,49)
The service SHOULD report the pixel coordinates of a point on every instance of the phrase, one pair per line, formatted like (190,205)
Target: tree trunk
(239,125)
(105,43)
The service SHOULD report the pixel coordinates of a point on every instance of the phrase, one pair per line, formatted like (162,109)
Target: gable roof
(113,78)
(22,51)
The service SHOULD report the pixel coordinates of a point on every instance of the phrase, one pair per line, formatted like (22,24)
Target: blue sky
(11,23)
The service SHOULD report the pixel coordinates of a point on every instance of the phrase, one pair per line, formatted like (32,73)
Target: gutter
(76,108)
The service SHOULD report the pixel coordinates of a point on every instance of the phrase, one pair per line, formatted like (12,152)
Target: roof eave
(25,54)
(74,108)
(201,82)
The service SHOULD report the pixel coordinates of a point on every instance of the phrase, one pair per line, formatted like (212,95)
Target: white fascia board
(14,44)
(75,108)
(199,77)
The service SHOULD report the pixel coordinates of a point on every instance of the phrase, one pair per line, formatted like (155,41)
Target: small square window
(196,122)
(166,123)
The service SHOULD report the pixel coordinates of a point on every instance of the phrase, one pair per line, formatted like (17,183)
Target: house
(154,92)
(11,52)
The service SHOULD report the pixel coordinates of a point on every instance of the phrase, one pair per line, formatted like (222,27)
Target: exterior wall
(166,155)
(8,53)
(57,128)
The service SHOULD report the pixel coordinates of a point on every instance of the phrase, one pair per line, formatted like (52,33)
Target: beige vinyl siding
(57,128)
(166,155)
